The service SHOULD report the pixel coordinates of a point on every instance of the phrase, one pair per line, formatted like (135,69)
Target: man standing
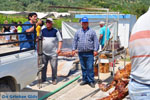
(102,40)
(52,44)
(85,40)
(32,17)
(139,49)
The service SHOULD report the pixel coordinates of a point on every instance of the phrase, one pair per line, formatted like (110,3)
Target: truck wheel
(4,88)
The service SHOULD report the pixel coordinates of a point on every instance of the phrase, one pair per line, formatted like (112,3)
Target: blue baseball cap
(84,19)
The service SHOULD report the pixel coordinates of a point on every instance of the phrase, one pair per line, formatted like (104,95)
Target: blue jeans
(87,61)
(138,91)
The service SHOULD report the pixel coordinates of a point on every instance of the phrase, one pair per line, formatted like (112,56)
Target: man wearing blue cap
(85,40)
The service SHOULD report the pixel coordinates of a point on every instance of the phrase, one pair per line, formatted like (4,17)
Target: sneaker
(54,82)
(32,84)
(83,83)
(92,85)
(28,86)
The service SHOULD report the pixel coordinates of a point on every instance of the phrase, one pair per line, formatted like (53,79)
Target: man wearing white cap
(52,43)
(102,40)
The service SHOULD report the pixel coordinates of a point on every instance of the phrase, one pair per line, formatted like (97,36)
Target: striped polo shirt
(139,48)
(50,41)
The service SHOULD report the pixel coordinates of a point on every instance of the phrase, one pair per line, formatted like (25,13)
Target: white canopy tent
(40,14)
(69,28)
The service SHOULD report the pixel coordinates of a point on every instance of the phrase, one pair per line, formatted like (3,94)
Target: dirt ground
(74,91)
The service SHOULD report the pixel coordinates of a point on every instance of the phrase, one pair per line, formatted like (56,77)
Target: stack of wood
(104,67)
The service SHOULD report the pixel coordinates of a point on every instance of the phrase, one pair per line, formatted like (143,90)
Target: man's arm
(74,44)
(96,44)
(32,28)
(59,37)
(59,47)
(100,37)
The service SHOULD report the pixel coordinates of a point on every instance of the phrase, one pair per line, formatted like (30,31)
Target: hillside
(136,7)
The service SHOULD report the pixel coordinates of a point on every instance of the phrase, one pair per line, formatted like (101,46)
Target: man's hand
(73,52)
(39,22)
(58,51)
(95,53)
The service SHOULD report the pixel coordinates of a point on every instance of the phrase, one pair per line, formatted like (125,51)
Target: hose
(58,89)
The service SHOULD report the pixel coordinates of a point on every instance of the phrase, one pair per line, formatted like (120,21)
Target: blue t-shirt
(102,31)
(23,37)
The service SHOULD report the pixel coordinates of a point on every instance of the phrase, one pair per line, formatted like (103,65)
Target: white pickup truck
(18,68)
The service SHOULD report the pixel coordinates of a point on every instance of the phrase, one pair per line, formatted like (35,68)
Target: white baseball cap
(102,22)
(49,19)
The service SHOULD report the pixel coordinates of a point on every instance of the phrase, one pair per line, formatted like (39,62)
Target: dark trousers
(53,62)
(87,61)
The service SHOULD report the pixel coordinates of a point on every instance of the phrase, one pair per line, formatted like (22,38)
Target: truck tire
(5,88)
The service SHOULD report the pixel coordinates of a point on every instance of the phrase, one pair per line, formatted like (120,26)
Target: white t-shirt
(139,48)
(50,41)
